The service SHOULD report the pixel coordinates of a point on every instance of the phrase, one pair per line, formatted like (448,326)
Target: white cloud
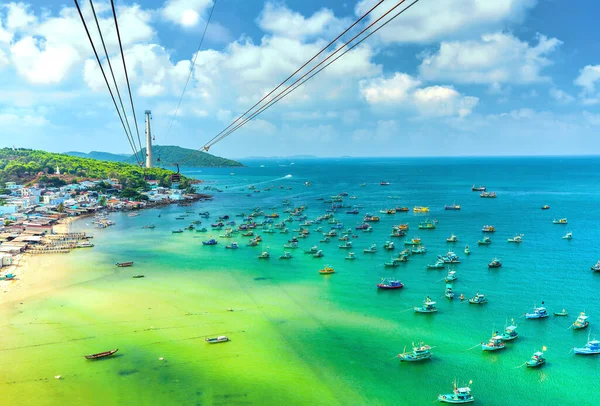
(403,91)
(3,59)
(560,96)
(436,20)
(18,16)
(494,59)
(588,78)
(186,13)
(281,21)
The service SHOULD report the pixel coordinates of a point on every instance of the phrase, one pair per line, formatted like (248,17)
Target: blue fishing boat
(264,255)
(389,246)
(427,307)
(392,264)
(389,284)
(286,255)
(232,246)
(350,256)
(484,241)
(451,277)
(478,299)
(371,250)
(510,332)
(212,241)
(449,293)
(420,352)
(458,396)
(438,265)
(591,348)
(346,245)
(494,344)
(537,313)
(581,322)
(537,359)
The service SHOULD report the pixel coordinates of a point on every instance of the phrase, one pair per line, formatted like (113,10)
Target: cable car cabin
(175,178)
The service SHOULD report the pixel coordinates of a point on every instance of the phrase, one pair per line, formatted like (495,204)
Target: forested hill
(168,155)
(26,165)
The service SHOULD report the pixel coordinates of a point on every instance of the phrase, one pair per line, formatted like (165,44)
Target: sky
(445,78)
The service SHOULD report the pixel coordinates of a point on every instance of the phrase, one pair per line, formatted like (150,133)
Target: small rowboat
(138,276)
(101,354)
(563,313)
(124,264)
(215,340)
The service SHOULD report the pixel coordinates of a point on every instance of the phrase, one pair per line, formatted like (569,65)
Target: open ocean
(301,338)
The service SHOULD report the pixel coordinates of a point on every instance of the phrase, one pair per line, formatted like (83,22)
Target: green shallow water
(302,338)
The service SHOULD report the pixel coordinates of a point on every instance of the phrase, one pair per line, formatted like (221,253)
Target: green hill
(27,165)
(102,156)
(170,155)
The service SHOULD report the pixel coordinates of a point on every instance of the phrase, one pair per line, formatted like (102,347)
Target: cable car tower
(149,156)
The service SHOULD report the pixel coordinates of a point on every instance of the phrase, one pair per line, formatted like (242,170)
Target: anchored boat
(420,352)
(451,277)
(560,221)
(494,344)
(495,263)
(102,354)
(390,284)
(478,299)
(327,270)
(458,396)
(581,322)
(537,359)
(591,348)
(537,313)
(215,340)
(510,332)
(427,307)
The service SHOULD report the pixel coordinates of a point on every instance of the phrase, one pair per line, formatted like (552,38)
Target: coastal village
(31,215)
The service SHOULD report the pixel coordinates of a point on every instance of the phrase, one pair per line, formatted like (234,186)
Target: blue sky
(448,77)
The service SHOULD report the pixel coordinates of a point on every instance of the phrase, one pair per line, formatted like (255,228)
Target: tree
(102,201)
(60,208)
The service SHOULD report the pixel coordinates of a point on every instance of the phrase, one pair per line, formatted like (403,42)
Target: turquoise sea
(298,337)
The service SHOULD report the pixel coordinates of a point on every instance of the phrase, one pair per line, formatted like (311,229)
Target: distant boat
(568,236)
(478,299)
(384,183)
(560,221)
(212,241)
(138,276)
(124,264)
(452,207)
(101,354)
(545,207)
(215,340)
(478,188)
(327,270)
(452,238)
(495,263)
(458,396)
(561,313)
(489,195)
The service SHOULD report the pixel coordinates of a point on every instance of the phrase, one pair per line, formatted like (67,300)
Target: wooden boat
(561,313)
(510,332)
(419,353)
(581,322)
(451,277)
(371,250)
(437,265)
(428,306)
(390,284)
(545,207)
(536,360)
(138,276)
(458,396)
(495,263)
(101,354)
(560,221)
(494,344)
(537,313)
(327,270)
(215,340)
(478,299)
(124,264)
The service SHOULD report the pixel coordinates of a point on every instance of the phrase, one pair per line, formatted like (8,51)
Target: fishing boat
(420,209)
(581,322)
(371,250)
(362,185)
(568,236)
(370,218)
(420,249)
(452,207)
(458,396)
(318,254)
(510,332)
(484,241)
(596,268)
(392,264)
(419,352)
(427,225)
(563,312)
(494,344)
(353,211)
(402,209)
(177,231)
(478,188)
(516,239)
(545,207)
(286,255)
(537,359)
(325,239)
(427,307)
(326,270)
(291,246)
(264,255)
(102,354)
(591,348)
(312,250)
(449,293)
(140,275)
(414,241)
(403,227)
(478,299)
(537,313)
(560,221)
(346,245)
(148,226)
(438,265)
(488,195)
(467,250)
(232,246)
(216,340)
(350,256)
(488,229)
(389,246)
(124,264)
(452,238)
(201,230)
(451,277)
(384,183)
(389,284)
(495,263)
(212,241)
(449,258)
